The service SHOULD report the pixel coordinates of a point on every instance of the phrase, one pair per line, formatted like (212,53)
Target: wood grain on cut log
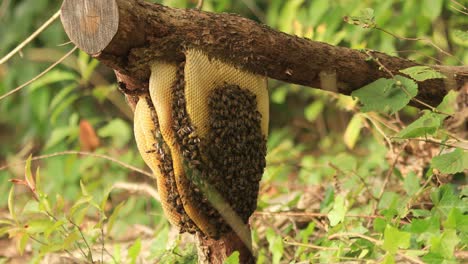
(147,31)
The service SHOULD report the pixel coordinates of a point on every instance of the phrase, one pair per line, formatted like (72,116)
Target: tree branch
(128,35)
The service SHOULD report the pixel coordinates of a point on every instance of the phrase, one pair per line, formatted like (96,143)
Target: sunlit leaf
(53,76)
(461,34)
(21,242)
(275,245)
(422,73)
(338,212)
(313,110)
(453,162)
(11,205)
(70,239)
(448,104)
(411,183)
(445,244)
(113,217)
(426,125)
(395,239)
(386,95)
(366,19)
(353,130)
(134,251)
(233,258)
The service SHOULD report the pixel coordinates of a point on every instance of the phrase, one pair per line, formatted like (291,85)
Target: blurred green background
(310,129)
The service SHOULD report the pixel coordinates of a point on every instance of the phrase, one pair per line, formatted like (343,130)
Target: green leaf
(53,76)
(28,175)
(83,201)
(70,239)
(11,205)
(395,239)
(433,258)
(134,251)
(448,103)
(345,162)
(84,192)
(429,225)
(389,259)
(380,224)
(58,135)
(64,105)
(432,8)
(386,95)
(450,163)
(118,130)
(113,217)
(457,220)
(427,124)
(366,19)
(38,181)
(445,199)
(351,134)
(233,258)
(313,110)
(422,73)
(338,212)
(21,243)
(306,233)
(38,226)
(289,14)
(279,95)
(461,35)
(411,183)
(275,245)
(58,224)
(445,244)
(59,97)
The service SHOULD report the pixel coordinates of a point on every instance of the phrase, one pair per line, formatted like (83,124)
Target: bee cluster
(235,147)
(164,157)
(231,158)
(189,143)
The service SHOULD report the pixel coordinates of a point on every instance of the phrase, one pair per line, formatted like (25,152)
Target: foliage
(363,179)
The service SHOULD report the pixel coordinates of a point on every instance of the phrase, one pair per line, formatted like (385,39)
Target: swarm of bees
(229,156)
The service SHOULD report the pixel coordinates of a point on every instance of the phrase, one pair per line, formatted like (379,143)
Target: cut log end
(90,24)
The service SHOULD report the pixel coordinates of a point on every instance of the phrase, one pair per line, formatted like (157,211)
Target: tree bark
(217,250)
(128,35)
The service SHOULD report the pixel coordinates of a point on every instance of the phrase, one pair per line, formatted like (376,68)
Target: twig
(418,39)
(30,38)
(381,132)
(138,188)
(84,153)
(3,8)
(376,242)
(427,140)
(287,240)
(65,232)
(39,75)
(199,5)
(464,9)
(84,239)
(316,215)
(359,177)
(390,171)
